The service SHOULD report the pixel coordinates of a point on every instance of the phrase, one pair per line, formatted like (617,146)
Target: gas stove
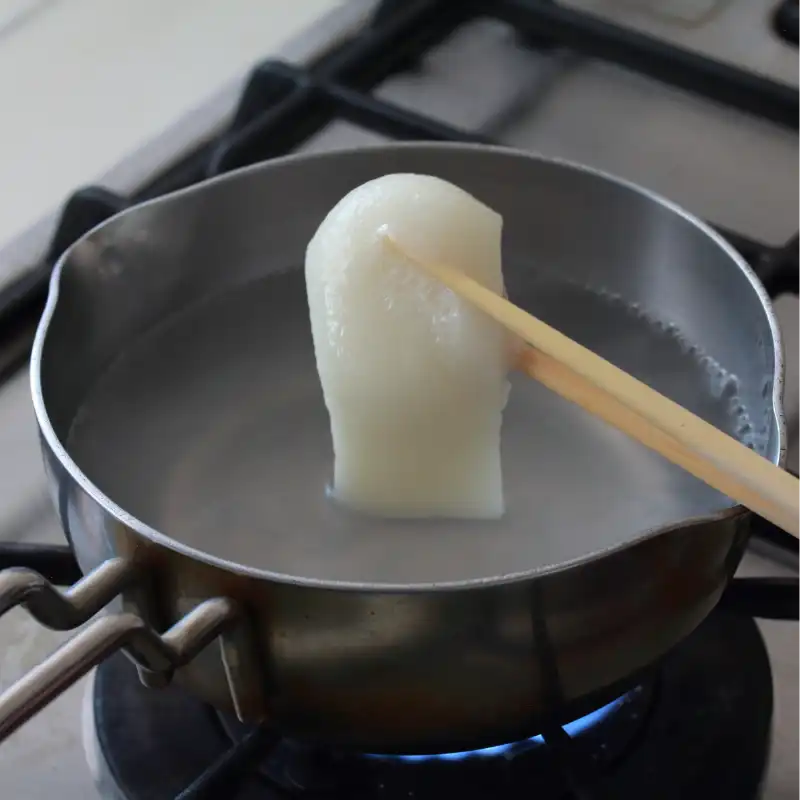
(693,728)
(698,102)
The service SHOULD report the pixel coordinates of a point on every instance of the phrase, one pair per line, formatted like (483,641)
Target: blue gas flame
(573,728)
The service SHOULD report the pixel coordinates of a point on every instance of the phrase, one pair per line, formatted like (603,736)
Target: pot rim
(156,537)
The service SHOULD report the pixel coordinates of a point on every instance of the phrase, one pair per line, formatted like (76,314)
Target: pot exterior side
(424,671)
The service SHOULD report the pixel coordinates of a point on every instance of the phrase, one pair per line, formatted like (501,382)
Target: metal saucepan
(188,449)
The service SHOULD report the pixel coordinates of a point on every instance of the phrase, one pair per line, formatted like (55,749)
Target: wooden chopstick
(577,374)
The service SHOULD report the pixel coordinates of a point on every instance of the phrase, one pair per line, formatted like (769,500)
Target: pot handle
(68,609)
(175,648)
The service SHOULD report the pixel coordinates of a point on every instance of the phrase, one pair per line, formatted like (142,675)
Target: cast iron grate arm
(226,776)
(591,36)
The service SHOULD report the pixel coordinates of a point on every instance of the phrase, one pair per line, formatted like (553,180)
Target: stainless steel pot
(187,448)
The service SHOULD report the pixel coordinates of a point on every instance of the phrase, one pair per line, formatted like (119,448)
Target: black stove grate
(283,105)
(224,777)
(605,41)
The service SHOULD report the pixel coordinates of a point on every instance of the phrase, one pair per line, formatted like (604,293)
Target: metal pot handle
(65,610)
(179,645)
(73,607)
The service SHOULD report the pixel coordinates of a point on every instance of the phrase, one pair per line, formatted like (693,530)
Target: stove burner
(599,738)
(572,729)
(785,21)
(701,731)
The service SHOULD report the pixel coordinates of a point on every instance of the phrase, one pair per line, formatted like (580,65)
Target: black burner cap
(785,21)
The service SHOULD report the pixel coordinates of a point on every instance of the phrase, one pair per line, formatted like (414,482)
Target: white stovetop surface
(86,83)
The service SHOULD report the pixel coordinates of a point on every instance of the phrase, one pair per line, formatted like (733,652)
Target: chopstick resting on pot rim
(607,392)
